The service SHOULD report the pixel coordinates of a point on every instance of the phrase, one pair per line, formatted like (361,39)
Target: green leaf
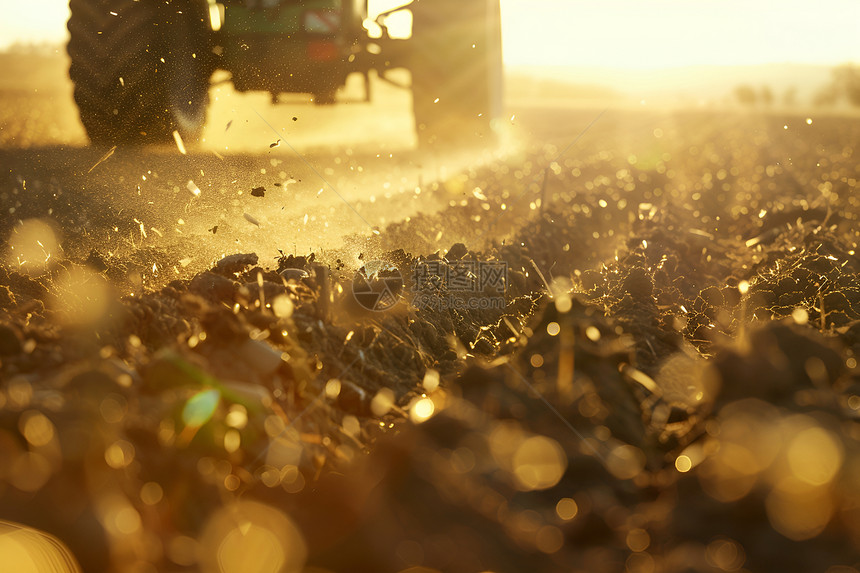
(200,407)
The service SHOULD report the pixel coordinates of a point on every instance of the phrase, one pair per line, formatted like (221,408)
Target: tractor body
(296,47)
(142,69)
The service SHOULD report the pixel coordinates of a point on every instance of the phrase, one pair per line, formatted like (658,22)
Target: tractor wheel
(141,70)
(456,70)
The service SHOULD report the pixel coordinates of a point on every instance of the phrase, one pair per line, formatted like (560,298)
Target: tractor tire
(456,66)
(140,69)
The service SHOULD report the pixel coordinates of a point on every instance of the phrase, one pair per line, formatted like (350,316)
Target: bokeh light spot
(119,454)
(539,462)
(382,402)
(683,464)
(814,456)
(725,554)
(638,540)
(422,410)
(797,510)
(151,493)
(36,428)
(200,408)
(566,508)
(625,461)
(32,246)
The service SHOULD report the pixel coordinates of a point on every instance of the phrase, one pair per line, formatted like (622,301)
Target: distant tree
(766,96)
(825,97)
(745,95)
(33,48)
(789,98)
(846,81)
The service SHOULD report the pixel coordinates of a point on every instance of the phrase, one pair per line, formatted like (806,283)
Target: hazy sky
(667,33)
(639,34)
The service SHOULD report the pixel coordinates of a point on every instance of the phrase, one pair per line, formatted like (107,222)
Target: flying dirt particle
(193,188)
(236,263)
(229,123)
(103,159)
(295,119)
(251,219)
(276,144)
(179,143)
(258,192)
(214,230)
(142,228)
(456,252)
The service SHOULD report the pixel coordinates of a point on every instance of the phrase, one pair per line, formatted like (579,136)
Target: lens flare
(26,550)
(250,537)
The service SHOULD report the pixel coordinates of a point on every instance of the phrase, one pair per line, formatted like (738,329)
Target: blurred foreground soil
(670,384)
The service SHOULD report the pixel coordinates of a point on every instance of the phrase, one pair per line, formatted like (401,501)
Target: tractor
(141,68)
